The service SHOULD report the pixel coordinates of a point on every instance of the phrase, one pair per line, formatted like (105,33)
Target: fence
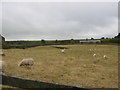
(28,83)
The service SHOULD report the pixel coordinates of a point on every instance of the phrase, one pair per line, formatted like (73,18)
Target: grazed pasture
(77,65)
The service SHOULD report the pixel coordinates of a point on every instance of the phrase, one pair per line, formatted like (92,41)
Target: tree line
(27,44)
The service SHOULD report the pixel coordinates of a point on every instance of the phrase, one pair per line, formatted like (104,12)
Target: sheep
(63,50)
(2,66)
(94,55)
(84,65)
(28,62)
(105,57)
(90,49)
(2,54)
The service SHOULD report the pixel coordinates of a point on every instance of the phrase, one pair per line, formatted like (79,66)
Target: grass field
(77,65)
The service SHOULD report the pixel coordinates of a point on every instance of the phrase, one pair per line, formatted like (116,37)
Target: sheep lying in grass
(90,49)
(28,62)
(2,66)
(94,55)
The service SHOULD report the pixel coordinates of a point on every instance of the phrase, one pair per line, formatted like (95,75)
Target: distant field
(77,65)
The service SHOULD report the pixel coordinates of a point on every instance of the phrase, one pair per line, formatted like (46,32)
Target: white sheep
(63,50)
(84,65)
(105,57)
(94,55)
(2,66)
(90,49)
(2,54)
(28,62)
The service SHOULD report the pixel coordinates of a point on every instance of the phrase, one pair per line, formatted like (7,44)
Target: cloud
(52,20)
(0,18)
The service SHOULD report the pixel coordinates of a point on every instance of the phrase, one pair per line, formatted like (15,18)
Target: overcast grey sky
(59,20)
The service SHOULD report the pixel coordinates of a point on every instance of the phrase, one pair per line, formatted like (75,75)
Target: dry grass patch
(77,64)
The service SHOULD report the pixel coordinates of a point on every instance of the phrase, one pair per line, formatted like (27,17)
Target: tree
(72,41)
(86,39)
(56,41)
(43,42)
(107,38)
(118,36)
(102,38)
(92,38)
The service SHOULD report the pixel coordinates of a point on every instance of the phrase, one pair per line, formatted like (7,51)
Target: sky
(58,20)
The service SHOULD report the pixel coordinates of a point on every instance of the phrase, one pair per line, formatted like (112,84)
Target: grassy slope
(76,65)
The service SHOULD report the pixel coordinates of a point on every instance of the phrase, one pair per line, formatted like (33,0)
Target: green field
(77,65)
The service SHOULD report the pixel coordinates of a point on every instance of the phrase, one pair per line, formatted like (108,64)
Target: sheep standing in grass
(94,55)
(28,62)
(63,50)
(2,54)
(2,66)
